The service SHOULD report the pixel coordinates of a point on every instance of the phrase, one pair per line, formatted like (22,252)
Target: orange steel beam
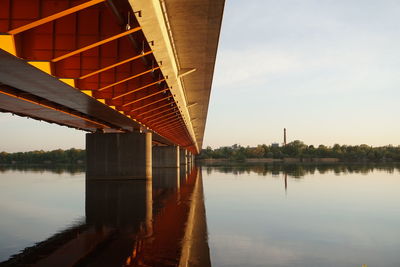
(165,120)
(163,125)
(115,65)
(154,109)
(169,124)
(142,98)
(127,79)
(151,103)
(163,116)
(159,113)
(55,16)
(112,38)
(56,109)
(170,127)
(174,130)
(137,89)
(159,123)
(180,141)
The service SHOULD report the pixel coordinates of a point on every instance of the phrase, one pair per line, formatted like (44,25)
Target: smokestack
(284,136)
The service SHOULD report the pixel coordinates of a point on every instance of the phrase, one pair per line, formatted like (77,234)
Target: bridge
(134,74)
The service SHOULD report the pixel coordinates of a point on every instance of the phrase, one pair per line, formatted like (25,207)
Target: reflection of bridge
(112,66)
(158,222)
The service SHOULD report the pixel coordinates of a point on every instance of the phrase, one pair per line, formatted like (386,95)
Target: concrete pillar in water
(149,154)
(183,156)
(189,158)
(119,156)
(166,157)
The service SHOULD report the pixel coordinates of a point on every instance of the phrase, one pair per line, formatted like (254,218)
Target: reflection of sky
(323,220)
(34,206)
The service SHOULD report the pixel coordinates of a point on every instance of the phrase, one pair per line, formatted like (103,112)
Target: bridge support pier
(166,156)
(183,156)
(189,158)
(118,156)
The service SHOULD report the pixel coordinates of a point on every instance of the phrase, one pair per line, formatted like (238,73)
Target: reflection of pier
(158,222)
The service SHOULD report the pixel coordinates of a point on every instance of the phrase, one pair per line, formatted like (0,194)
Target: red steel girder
(93,45)
(145,97)
(156,108)
(130,78)
(160,113)
(165,122)
(167,126)
(151,103)
(168,115)
(116,64)
(137,89)
(54,16)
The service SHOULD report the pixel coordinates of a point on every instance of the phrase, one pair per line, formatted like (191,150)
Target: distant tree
(298,149)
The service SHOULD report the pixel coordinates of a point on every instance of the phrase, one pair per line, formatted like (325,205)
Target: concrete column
(166,156)
(183,156)
(118,156)
(149,154)
(189,157)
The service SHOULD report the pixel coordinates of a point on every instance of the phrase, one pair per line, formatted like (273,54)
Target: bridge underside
(88,65)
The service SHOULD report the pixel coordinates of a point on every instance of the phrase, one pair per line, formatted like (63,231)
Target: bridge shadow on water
(150,222)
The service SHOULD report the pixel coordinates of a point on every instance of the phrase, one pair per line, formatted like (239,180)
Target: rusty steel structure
(91,65)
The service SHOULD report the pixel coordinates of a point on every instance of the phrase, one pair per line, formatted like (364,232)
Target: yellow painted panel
(88,92)
(101,100)
(42,65)
(7,43)
(70,82)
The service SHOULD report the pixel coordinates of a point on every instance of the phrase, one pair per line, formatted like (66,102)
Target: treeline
(297,149)
(59,156)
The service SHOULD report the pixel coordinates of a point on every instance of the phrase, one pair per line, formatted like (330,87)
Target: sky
(327,70)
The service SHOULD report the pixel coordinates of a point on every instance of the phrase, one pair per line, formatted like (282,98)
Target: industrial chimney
(284,136)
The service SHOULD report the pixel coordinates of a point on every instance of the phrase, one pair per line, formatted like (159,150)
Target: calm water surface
(35,204)
(295,216)
(264,215)
(62,219)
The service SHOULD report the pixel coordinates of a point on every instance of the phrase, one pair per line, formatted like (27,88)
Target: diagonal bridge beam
(128,79)
(85,48)
(55,16)
(137,89)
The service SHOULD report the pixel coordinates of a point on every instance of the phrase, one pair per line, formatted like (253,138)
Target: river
(237,215)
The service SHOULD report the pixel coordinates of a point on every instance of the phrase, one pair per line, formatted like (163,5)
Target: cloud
(343,67)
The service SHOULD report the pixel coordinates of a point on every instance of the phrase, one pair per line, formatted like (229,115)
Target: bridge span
(112,67)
